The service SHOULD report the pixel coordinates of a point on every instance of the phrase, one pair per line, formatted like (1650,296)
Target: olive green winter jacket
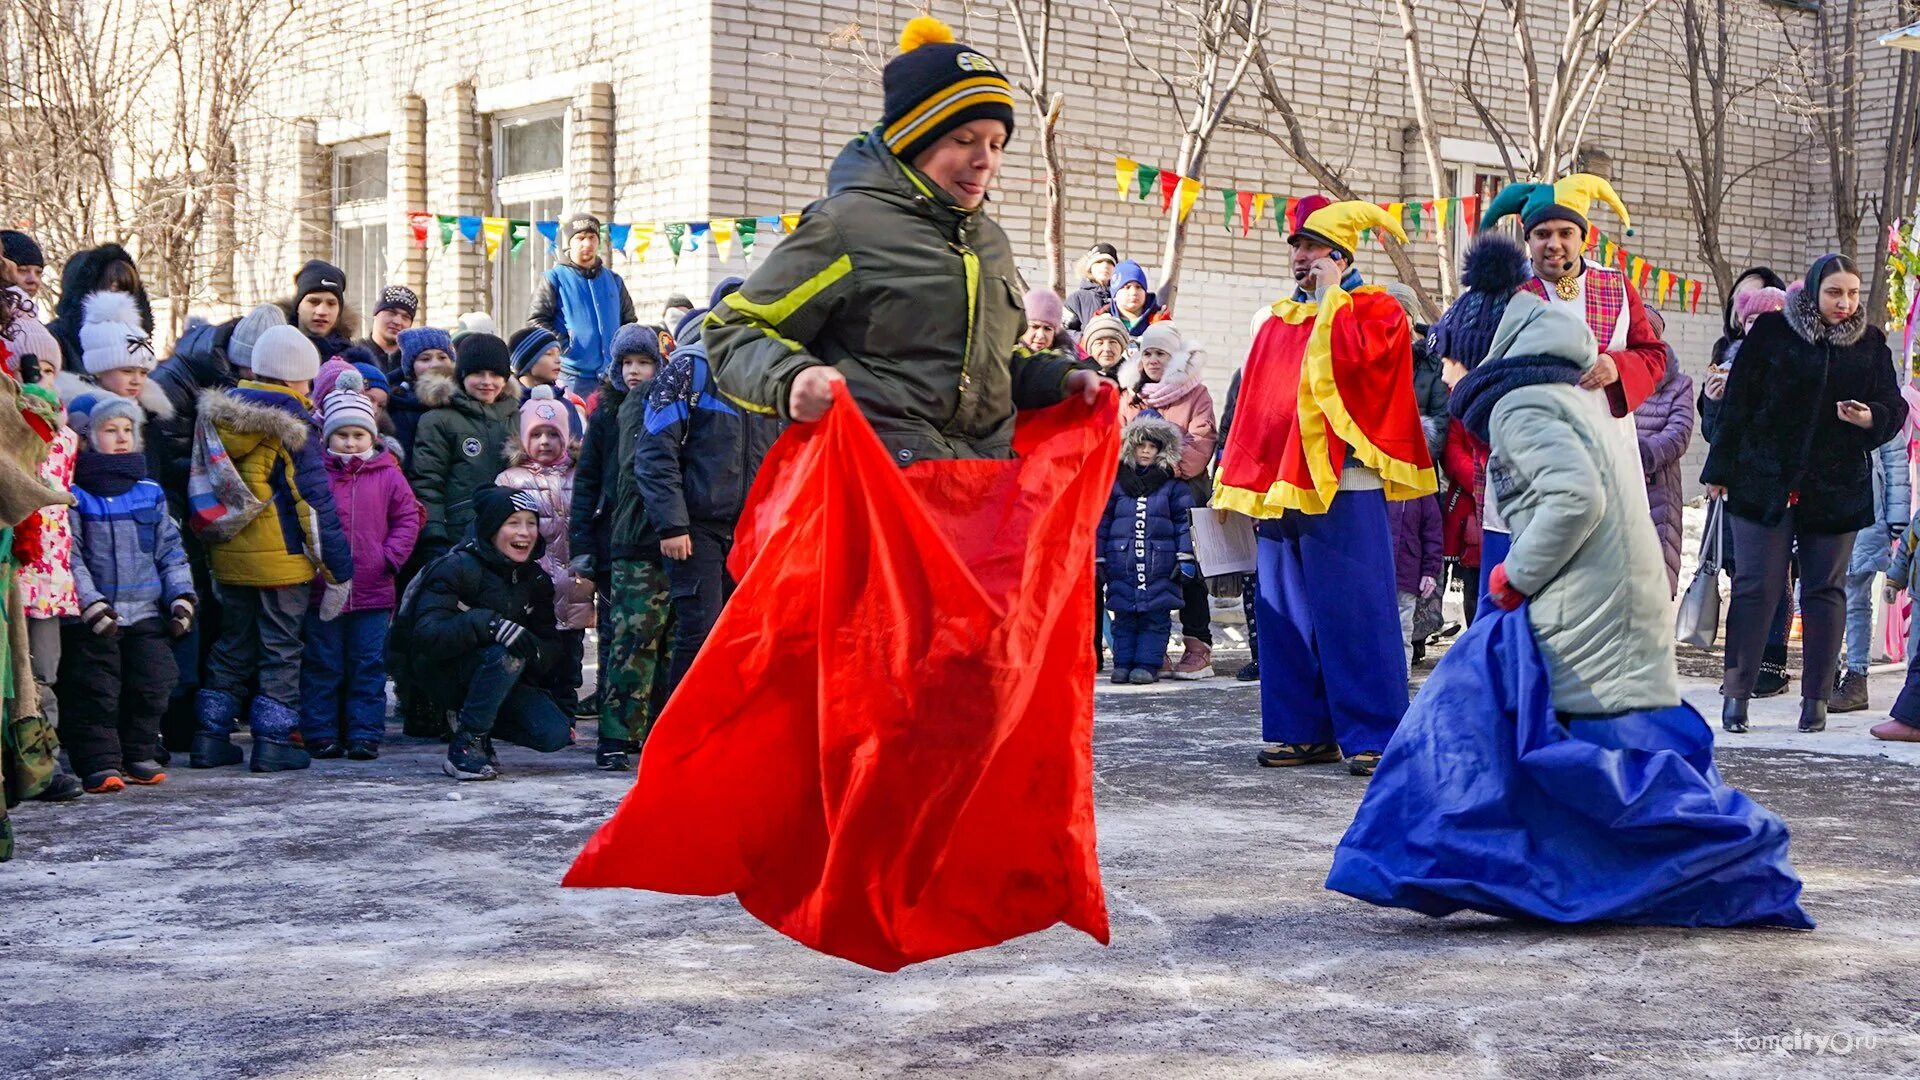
(915,301)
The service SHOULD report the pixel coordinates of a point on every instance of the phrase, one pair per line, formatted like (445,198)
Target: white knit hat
(284,353)
(111,336)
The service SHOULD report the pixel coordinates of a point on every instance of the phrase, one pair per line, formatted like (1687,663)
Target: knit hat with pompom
(935,85)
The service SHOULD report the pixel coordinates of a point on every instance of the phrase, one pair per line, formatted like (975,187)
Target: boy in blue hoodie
(135,592)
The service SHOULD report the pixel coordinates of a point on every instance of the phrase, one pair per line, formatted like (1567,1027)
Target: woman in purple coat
(1665,422)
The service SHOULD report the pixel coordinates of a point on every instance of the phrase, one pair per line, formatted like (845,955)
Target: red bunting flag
(418,222)
(1245,199)
(1169,184)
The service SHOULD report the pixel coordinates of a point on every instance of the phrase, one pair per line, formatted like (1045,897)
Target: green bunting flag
(1231,200)
(517,233)
(446,229)
(744,229)
(676,232)
(1145,177)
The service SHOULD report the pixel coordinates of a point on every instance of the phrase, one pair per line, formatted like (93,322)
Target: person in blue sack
(1145,552)
(1549,769)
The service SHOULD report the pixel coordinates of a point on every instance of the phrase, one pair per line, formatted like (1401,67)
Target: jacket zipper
(971,263)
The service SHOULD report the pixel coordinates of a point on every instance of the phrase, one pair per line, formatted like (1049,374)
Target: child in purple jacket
(1416,558)
(343,671)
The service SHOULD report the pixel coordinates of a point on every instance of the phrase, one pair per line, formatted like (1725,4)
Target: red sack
(885,750)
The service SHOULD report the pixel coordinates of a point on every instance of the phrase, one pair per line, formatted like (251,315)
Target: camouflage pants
(633,679)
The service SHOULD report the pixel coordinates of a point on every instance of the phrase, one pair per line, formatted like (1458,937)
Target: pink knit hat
(543,409)
(1748,305)
(1043,306)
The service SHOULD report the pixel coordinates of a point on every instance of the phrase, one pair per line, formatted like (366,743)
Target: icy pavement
(376,920)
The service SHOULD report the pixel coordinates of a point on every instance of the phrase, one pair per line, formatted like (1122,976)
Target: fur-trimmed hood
(433,389)
(72,387)
(1143,428)
(1803,315)
(251,413)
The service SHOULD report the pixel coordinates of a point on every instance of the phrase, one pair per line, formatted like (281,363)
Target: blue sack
(1483,800)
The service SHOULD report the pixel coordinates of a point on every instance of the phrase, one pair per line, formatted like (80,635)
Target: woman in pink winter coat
(1165,379)
(542,463)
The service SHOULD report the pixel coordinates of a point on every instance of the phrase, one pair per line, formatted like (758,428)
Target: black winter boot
(1733,715)
(1773,680)
(611,756)
(62,787)
(466,760)
(214,751)
(1813,715)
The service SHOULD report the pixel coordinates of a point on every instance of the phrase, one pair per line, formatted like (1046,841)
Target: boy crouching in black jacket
(477,635)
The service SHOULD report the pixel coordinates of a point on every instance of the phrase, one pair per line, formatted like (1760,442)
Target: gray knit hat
(248,331)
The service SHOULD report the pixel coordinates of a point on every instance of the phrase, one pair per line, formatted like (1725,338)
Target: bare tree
(1221,38)
(1557,108)
(1429,137)
(121,120)
(1718,88)
(1036,50)
(1298,146)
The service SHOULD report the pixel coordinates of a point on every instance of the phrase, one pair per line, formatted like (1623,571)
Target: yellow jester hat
(1340,224)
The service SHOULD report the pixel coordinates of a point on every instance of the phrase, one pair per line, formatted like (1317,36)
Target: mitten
(182,620)
(1502,592)
(334,600)
(516,639)
(102,619)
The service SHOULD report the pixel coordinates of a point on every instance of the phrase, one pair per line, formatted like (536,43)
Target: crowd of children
(278,520)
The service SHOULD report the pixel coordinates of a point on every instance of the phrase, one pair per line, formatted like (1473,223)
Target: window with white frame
(1472,169)
(529,184)
(360,220)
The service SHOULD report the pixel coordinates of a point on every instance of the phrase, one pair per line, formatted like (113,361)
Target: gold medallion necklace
(1568,287)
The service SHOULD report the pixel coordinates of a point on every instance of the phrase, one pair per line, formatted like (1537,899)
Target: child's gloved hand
(1188,570)
(102,619)
(516,639)
(182,617)
(1502,592)
(334,600)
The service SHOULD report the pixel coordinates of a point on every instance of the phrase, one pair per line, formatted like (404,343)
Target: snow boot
(218,715)
(273,726)
(65,787)
(611,756)
(145,772)
(105,782)
(363,751)
(1851,694)
(326,748)
(1142,676)
(1196,663)
(1773,680)
(1250,673)
(466,760)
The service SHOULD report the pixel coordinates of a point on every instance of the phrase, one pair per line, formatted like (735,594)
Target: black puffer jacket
(1780,431)
(608,517)
(448,624)
(198,364)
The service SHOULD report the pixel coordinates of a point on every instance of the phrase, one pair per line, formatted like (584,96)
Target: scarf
(1476,396)
(1138,481)
(109,474)
(365,455)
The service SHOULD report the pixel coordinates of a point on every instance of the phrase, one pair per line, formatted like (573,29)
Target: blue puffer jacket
(1146,534)
(1892,502)
(128,549)
(699,454)
(583,307)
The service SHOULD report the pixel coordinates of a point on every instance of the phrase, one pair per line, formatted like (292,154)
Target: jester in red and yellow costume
(1327,434)
(1633,358)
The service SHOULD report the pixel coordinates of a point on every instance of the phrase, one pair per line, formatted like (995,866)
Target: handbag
(1698,621)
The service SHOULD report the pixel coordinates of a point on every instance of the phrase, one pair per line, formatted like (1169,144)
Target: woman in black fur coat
(1812,396)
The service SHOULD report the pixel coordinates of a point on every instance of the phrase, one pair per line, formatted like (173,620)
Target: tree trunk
(1429,138)
(1056,196)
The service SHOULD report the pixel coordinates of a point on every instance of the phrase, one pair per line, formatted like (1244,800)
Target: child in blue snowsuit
(1145,548)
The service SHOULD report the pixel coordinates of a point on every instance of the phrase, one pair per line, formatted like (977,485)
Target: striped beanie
(528,344)
(936,85)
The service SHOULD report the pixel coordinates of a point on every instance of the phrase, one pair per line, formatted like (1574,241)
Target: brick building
(715,108)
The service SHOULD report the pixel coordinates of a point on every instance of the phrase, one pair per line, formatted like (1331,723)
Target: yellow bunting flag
(493,230)
(788,221)
(1666,285)
(1189,191)
(1124,171)
(722,231)
(1443,211)
(642,238)
(1260,201)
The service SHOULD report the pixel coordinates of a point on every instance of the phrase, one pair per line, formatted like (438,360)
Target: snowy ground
(373,920)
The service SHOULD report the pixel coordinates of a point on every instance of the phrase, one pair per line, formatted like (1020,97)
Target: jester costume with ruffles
(1328,432)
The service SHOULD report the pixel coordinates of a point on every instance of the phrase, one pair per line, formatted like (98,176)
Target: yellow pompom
(924,30)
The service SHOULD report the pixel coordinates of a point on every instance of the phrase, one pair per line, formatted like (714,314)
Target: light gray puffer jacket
(1584,547)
